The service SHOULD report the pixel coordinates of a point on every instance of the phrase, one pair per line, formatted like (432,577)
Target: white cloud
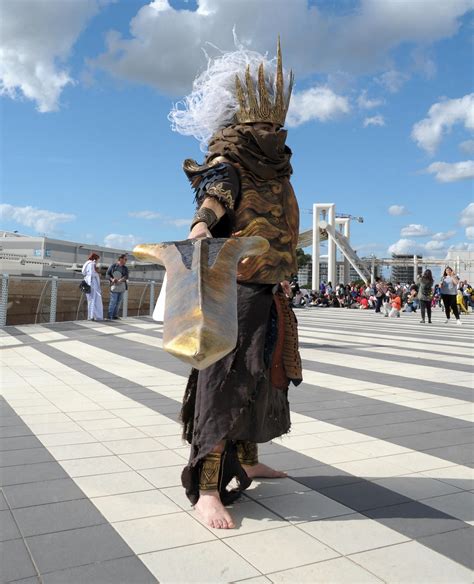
(410,247)
(397,210)
(316,103)
(125,242)
(405,246)
(36,38)
(467,146)
(443,235)
(41,220)
(163,47)
(464,246)
(452,171)
(415,230)
(423,63)
(377,120)
(149,215)
(466,219)
(467,216)
(392,80)
(179,222)
(152,215)
(434,245)
(364,102)
(442,116)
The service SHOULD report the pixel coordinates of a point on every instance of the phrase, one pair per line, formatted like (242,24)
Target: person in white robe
(95,309)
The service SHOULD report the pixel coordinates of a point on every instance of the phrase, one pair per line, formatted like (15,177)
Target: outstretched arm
(201,229)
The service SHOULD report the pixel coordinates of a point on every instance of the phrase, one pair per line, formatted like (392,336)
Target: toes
(212,523)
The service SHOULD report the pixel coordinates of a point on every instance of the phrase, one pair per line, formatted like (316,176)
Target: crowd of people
(391,299)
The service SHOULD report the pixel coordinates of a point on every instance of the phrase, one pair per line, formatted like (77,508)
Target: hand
(285,285)
(199,231)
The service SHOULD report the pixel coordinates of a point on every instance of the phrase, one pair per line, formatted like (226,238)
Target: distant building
(462,262)
(25,255)
(305,274)
(404,271)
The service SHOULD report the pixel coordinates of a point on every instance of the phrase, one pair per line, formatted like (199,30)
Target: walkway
(380,460)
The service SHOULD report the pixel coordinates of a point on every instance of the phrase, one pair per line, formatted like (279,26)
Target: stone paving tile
(42,492)
(280,549)
(67,549)
(337,571)
(364,495)
(29,456)
(54,517)
(353,533)
(162,532)
(80,467)
(120,571)
(414,519)
(306,506)
(16,475)
(460,505)
(112,484)
(15,561)
(135,505)
(8,528)
(203,562)
(18,443)
(412,562)
(3,502)
(457,545)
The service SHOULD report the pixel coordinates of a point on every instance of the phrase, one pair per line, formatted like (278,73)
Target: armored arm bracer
(219,180)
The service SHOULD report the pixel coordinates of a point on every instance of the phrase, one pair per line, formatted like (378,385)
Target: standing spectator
(95,309)
(118,277)
(380,290)
(425,294)
(467,293)
(449,289)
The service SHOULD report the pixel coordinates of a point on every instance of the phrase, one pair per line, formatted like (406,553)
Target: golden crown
(257,105)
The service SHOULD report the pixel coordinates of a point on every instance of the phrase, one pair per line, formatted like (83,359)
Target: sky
(381,120)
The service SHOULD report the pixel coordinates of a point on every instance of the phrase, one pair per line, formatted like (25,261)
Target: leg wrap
(247,453)
(210,472)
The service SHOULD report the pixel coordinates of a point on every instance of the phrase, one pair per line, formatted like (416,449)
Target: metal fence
(28,300)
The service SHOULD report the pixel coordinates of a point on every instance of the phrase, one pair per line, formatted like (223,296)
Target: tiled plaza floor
(379,460)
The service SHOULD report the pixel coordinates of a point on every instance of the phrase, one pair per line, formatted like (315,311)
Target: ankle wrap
(247,453)
(210,470)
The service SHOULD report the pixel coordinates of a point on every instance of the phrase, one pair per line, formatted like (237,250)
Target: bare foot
(263,471)
(212,511)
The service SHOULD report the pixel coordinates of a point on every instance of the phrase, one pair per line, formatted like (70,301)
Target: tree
(302,258)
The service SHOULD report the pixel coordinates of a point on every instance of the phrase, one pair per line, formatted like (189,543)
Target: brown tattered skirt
(235,399)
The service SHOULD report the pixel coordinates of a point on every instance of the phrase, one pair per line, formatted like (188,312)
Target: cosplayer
(237,111)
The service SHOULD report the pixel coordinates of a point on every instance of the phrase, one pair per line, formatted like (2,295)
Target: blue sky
(88,153)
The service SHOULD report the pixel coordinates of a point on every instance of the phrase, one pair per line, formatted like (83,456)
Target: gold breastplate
(269,209)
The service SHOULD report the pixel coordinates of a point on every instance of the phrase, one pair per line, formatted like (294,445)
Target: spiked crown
(256,104)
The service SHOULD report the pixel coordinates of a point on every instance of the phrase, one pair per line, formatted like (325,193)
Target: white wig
(213,103)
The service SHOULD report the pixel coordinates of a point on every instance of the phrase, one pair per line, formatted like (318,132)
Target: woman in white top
(95,310)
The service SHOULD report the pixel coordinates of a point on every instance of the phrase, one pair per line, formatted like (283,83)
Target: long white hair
(212,104)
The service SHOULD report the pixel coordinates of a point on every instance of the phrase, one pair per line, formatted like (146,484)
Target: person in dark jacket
(118,278)
(425,294)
